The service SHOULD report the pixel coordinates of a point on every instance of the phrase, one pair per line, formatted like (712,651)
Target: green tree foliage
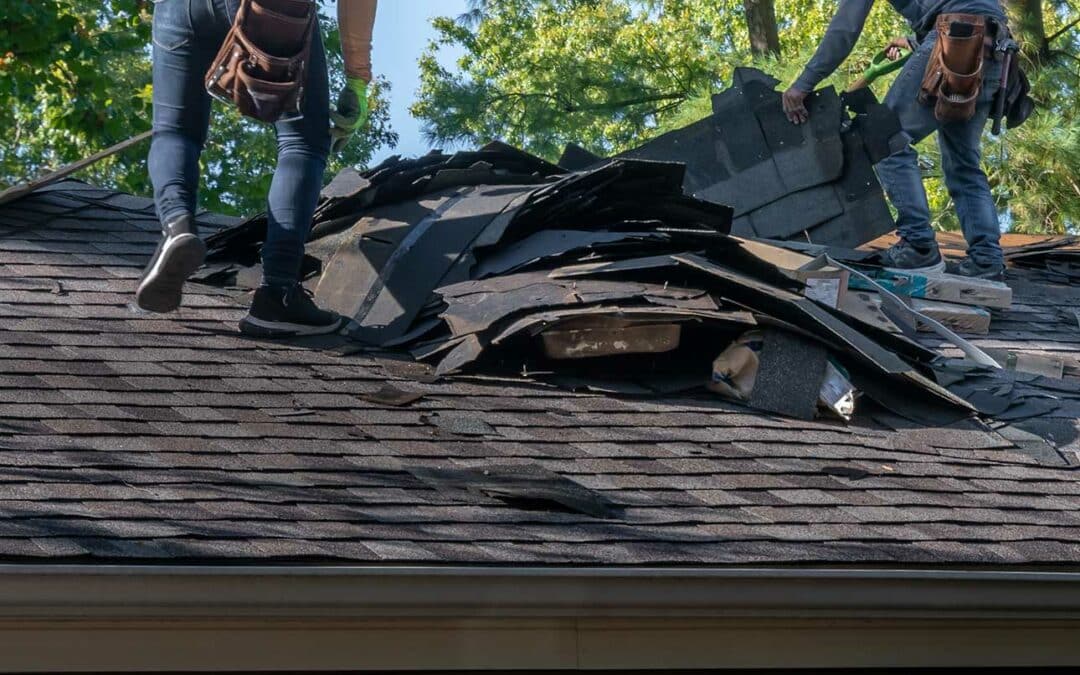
(75,78)
(610,74)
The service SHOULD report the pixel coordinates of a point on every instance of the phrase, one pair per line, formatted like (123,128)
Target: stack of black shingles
(811,183)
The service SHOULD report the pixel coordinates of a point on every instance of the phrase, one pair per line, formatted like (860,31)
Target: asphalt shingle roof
(134,437)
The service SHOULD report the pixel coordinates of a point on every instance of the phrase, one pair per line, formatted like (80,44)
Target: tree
(75,78)
(761,24)
(603,73)
(611,74)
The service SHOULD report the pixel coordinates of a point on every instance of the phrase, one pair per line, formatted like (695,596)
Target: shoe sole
(162,290)
(939,268)
(253,327)
(998,277)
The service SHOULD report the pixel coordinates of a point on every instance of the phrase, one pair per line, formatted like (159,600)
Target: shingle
(131,437)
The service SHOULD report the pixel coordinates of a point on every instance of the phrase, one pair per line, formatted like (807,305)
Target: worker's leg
(281,307)
(185,37)
(181,109)
(303,146)
(899,173)
(961,162)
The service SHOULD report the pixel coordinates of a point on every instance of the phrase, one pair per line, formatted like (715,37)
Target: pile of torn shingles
(1058,259)
(610,279)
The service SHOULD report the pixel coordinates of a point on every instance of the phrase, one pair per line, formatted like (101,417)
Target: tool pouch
(953,78)
(262,66)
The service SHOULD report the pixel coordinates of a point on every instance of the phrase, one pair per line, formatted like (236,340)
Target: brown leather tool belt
(954,75)
(262,66)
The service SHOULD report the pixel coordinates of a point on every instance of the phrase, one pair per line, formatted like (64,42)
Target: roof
(138,438)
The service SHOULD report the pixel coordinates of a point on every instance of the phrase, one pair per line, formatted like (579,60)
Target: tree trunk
(761,22)
(1031,27)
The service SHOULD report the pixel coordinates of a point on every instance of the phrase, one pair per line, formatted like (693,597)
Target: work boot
(905,257)
(975,270)
(179,254)
(289,312)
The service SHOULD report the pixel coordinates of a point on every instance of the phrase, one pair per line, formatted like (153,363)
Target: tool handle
(999,100)
(880,65)
(23,189)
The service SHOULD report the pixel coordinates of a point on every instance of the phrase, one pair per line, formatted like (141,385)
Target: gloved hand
(894,49)
(351,113)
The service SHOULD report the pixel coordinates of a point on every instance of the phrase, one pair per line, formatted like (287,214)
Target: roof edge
(85,591)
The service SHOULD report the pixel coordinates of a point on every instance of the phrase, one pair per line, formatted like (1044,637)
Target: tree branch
(1072,24)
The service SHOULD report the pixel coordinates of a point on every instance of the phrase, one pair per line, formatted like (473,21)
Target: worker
(917,248)
(187,35)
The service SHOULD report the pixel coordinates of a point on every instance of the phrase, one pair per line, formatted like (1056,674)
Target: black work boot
(905,257)
(179,254)
(976,270)
(289,312)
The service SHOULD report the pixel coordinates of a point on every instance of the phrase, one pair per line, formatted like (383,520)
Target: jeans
(960,162)
(187,36)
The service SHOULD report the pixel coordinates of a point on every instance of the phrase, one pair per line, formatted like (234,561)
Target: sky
(402,31)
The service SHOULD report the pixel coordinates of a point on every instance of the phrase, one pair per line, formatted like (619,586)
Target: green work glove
(351,113)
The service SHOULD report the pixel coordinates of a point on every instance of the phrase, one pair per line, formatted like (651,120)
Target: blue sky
(402,31)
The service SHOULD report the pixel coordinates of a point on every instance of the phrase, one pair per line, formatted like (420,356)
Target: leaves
(611,74)
(75,78)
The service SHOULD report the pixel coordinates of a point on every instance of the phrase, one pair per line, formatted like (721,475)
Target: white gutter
(90,591)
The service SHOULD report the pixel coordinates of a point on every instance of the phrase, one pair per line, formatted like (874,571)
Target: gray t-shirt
(846,26)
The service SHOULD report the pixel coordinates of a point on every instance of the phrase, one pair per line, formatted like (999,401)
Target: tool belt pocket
(954,75)
(263,64)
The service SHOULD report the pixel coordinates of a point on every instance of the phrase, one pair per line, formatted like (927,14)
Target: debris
(460,426)
(779,371)
(735,370)
(837,392)
(390,395)
(790,375)
(1025,362)
(849,472)
(826,290)
(900,313)
(589,337)
(866,306)
(1058,258)
(493,260)
(291,413)
(939,287)
(527,487)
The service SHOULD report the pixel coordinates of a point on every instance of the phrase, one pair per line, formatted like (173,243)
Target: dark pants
(961,163)
(187,36)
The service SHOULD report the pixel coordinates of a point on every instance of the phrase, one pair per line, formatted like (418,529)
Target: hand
(795,105)
(896,48)
(351,113)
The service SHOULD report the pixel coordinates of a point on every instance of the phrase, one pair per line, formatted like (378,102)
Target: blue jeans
(960,162)
(187,36)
